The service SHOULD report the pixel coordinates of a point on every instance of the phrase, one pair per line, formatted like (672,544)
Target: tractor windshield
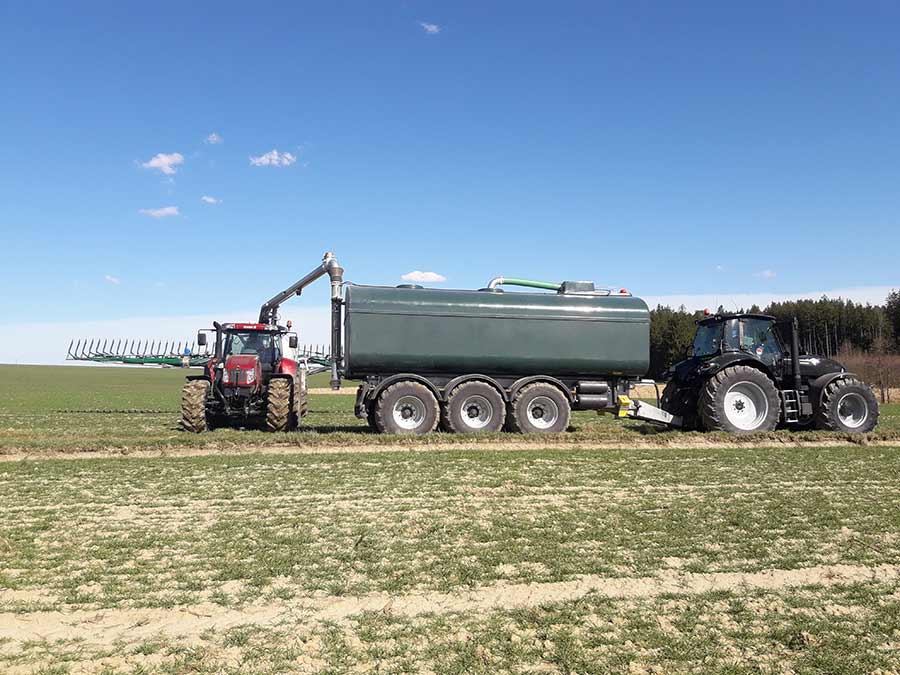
(708,340)
(257,343)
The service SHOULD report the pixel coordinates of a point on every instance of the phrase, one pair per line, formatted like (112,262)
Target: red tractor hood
(242,361)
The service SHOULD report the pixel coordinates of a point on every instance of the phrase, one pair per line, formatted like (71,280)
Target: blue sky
(682,150)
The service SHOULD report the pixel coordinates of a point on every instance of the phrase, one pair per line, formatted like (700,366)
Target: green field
(264,554)
(71,409)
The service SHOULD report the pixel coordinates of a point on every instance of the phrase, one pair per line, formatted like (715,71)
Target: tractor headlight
(225,377)
(250,376)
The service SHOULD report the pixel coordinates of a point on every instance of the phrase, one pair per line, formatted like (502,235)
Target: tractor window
(708,339)
(759,338)
(259,344)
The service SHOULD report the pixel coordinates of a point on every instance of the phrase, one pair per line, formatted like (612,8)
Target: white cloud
(720,268)
(766,274)
(430,28)
(274,158)
(210,200)
(874,295)
(110,279)
(214,139)
(163,212)
(165,163)
(424,277)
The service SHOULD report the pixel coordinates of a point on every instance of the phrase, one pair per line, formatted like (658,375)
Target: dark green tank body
(430,331)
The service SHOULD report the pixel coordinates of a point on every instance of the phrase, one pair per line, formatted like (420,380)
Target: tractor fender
(518,384)
(722,361)
(190,378)
(374,392)
(820,384)
(473,378)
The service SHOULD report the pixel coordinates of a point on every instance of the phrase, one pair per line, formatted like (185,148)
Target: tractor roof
(726,317)
(262,327)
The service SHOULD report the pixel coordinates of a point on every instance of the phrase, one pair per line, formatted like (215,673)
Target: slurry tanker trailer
(472,361)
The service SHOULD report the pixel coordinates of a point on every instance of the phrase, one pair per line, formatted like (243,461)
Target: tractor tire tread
(278,405)
(825,418)
(712,413)
(193,406)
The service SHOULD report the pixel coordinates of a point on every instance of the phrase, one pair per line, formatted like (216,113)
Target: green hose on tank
(529,283)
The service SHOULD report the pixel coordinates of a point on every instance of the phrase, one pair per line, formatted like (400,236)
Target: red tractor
(255,377)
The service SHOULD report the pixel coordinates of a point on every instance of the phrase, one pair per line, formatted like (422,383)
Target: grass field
(71,409)
(394,556)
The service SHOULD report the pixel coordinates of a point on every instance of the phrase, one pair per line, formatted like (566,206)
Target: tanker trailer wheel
(539,408)
(406,408)
(681,401)
(474,407)
(740,400)
(278,404)
(193,406)
(848,405)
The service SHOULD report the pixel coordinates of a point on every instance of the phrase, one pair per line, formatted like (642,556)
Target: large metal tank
(453,332)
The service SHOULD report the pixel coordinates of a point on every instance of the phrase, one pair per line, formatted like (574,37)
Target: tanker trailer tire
(740,400)
(193,406)
(681,402)
(539,408)
(407,408)
(278,405)
(848,405)
(474,407)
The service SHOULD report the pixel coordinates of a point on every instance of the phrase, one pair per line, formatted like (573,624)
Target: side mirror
(201,339)
(292,341)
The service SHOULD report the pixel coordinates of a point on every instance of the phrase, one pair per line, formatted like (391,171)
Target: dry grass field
(127,546)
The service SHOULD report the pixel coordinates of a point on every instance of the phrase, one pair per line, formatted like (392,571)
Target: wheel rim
(746,406)
(852,410)
(476,412)
(543,412)
(409,412)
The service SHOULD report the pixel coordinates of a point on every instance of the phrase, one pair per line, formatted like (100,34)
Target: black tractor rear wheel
(193,406)
(681,401)
(848,405)
(740,400)
(539,408)
(407,408)
(278,405)
(474,408)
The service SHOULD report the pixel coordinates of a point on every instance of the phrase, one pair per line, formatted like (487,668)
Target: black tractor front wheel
(740,400)
(848,405)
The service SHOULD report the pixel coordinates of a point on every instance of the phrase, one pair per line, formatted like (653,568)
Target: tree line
(828,326)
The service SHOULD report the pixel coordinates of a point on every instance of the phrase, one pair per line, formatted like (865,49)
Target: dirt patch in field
(107,627)
(671,442)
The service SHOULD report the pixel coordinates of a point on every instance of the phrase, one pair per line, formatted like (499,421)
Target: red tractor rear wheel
(193,406)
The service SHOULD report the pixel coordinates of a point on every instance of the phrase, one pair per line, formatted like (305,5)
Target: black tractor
(745,373)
